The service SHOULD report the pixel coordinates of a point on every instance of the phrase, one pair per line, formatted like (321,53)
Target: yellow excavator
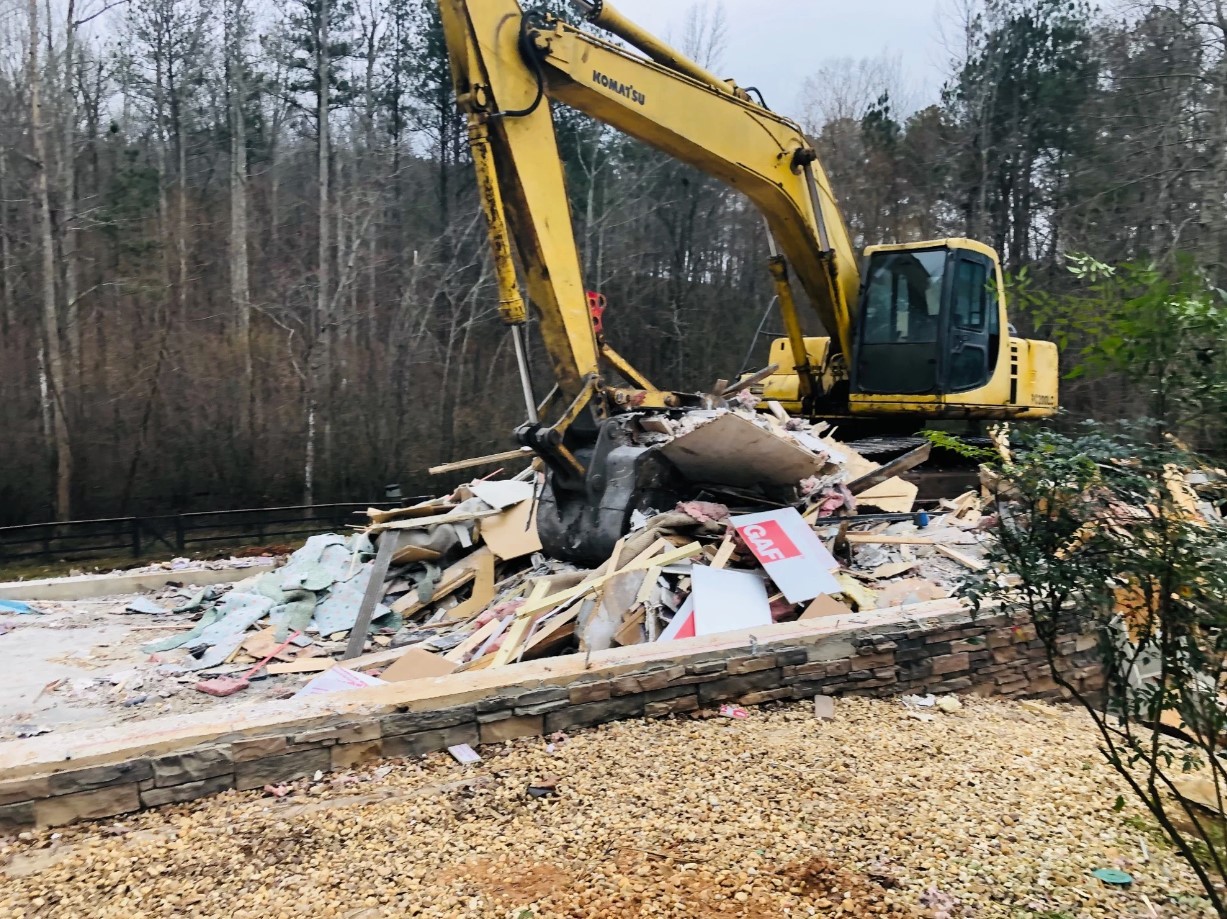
(920,334)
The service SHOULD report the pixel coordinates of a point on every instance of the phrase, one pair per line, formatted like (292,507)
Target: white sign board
(791,551)
(725,600)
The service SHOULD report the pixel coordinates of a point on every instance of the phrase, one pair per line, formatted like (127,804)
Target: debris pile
(786,523)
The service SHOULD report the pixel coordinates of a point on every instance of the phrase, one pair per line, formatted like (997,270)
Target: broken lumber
(487,460)
(388,544)
(898,465)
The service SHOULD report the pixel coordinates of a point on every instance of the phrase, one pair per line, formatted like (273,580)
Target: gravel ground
(996,810)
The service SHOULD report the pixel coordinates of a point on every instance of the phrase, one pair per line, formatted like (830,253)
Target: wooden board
(504,457)
(302,665)
(429,509)
(483,588)
(553,633)
(760,457)
(388,544)
(473,642)
(406,554)
(423,522)
(899,465)
(451,580)
(315,664)
(965,560)
(724,553)
(511,643)
(888,540)
(641,561)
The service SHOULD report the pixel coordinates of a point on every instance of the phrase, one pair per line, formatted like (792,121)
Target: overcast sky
(776,44)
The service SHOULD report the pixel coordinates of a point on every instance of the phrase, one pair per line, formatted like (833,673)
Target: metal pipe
(815,198)
(526,382)
(600,13)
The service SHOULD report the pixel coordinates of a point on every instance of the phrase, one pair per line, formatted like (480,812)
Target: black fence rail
(180,533)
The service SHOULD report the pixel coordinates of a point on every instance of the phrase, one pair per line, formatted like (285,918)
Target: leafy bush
(1102,530)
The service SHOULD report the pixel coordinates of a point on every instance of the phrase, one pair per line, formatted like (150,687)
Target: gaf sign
(792,553)
(768,541)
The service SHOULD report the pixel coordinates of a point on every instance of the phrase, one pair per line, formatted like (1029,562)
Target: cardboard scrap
(824,605)
(337,679)
(894,496)
(415,664)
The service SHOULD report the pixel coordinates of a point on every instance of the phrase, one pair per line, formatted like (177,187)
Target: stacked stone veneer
(55,780)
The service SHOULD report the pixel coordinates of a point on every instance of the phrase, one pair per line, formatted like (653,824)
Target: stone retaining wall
(52,780)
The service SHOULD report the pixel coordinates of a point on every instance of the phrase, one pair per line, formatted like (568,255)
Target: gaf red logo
(768,541)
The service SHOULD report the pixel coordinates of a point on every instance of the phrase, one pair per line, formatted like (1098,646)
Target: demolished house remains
(785,523)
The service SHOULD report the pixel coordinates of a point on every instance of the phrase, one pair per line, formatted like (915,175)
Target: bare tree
(51,360)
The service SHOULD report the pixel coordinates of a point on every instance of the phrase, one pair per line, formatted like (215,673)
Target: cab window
(970,295)
(904,297)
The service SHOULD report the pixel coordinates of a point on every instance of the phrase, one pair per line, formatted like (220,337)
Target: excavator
(919,334)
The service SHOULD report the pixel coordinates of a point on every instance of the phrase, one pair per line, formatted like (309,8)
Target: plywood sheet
(731,450)
(894,496)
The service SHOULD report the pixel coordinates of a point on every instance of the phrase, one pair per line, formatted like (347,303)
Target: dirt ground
(994,810)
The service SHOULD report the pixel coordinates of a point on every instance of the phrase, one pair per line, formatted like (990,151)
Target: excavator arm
(508,66)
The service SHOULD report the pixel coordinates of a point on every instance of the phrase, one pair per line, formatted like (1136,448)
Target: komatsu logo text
(622,89)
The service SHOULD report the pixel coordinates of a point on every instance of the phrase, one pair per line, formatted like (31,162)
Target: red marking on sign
(687,629)
(769,541)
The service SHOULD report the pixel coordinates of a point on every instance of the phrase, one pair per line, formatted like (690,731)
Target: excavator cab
(929,337)
(929,322)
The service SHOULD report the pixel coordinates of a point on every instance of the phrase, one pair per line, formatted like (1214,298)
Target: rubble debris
(793,524)
(464,754)
(227,685)
(144,605)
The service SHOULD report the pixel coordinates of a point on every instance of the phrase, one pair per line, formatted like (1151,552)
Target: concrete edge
(90,586)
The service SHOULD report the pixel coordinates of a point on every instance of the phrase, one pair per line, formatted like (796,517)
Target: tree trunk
(6,251)
(54,366)
(323,323)
(68,194)
(240,286)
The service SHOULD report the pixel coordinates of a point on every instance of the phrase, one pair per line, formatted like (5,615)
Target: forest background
(242,261)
